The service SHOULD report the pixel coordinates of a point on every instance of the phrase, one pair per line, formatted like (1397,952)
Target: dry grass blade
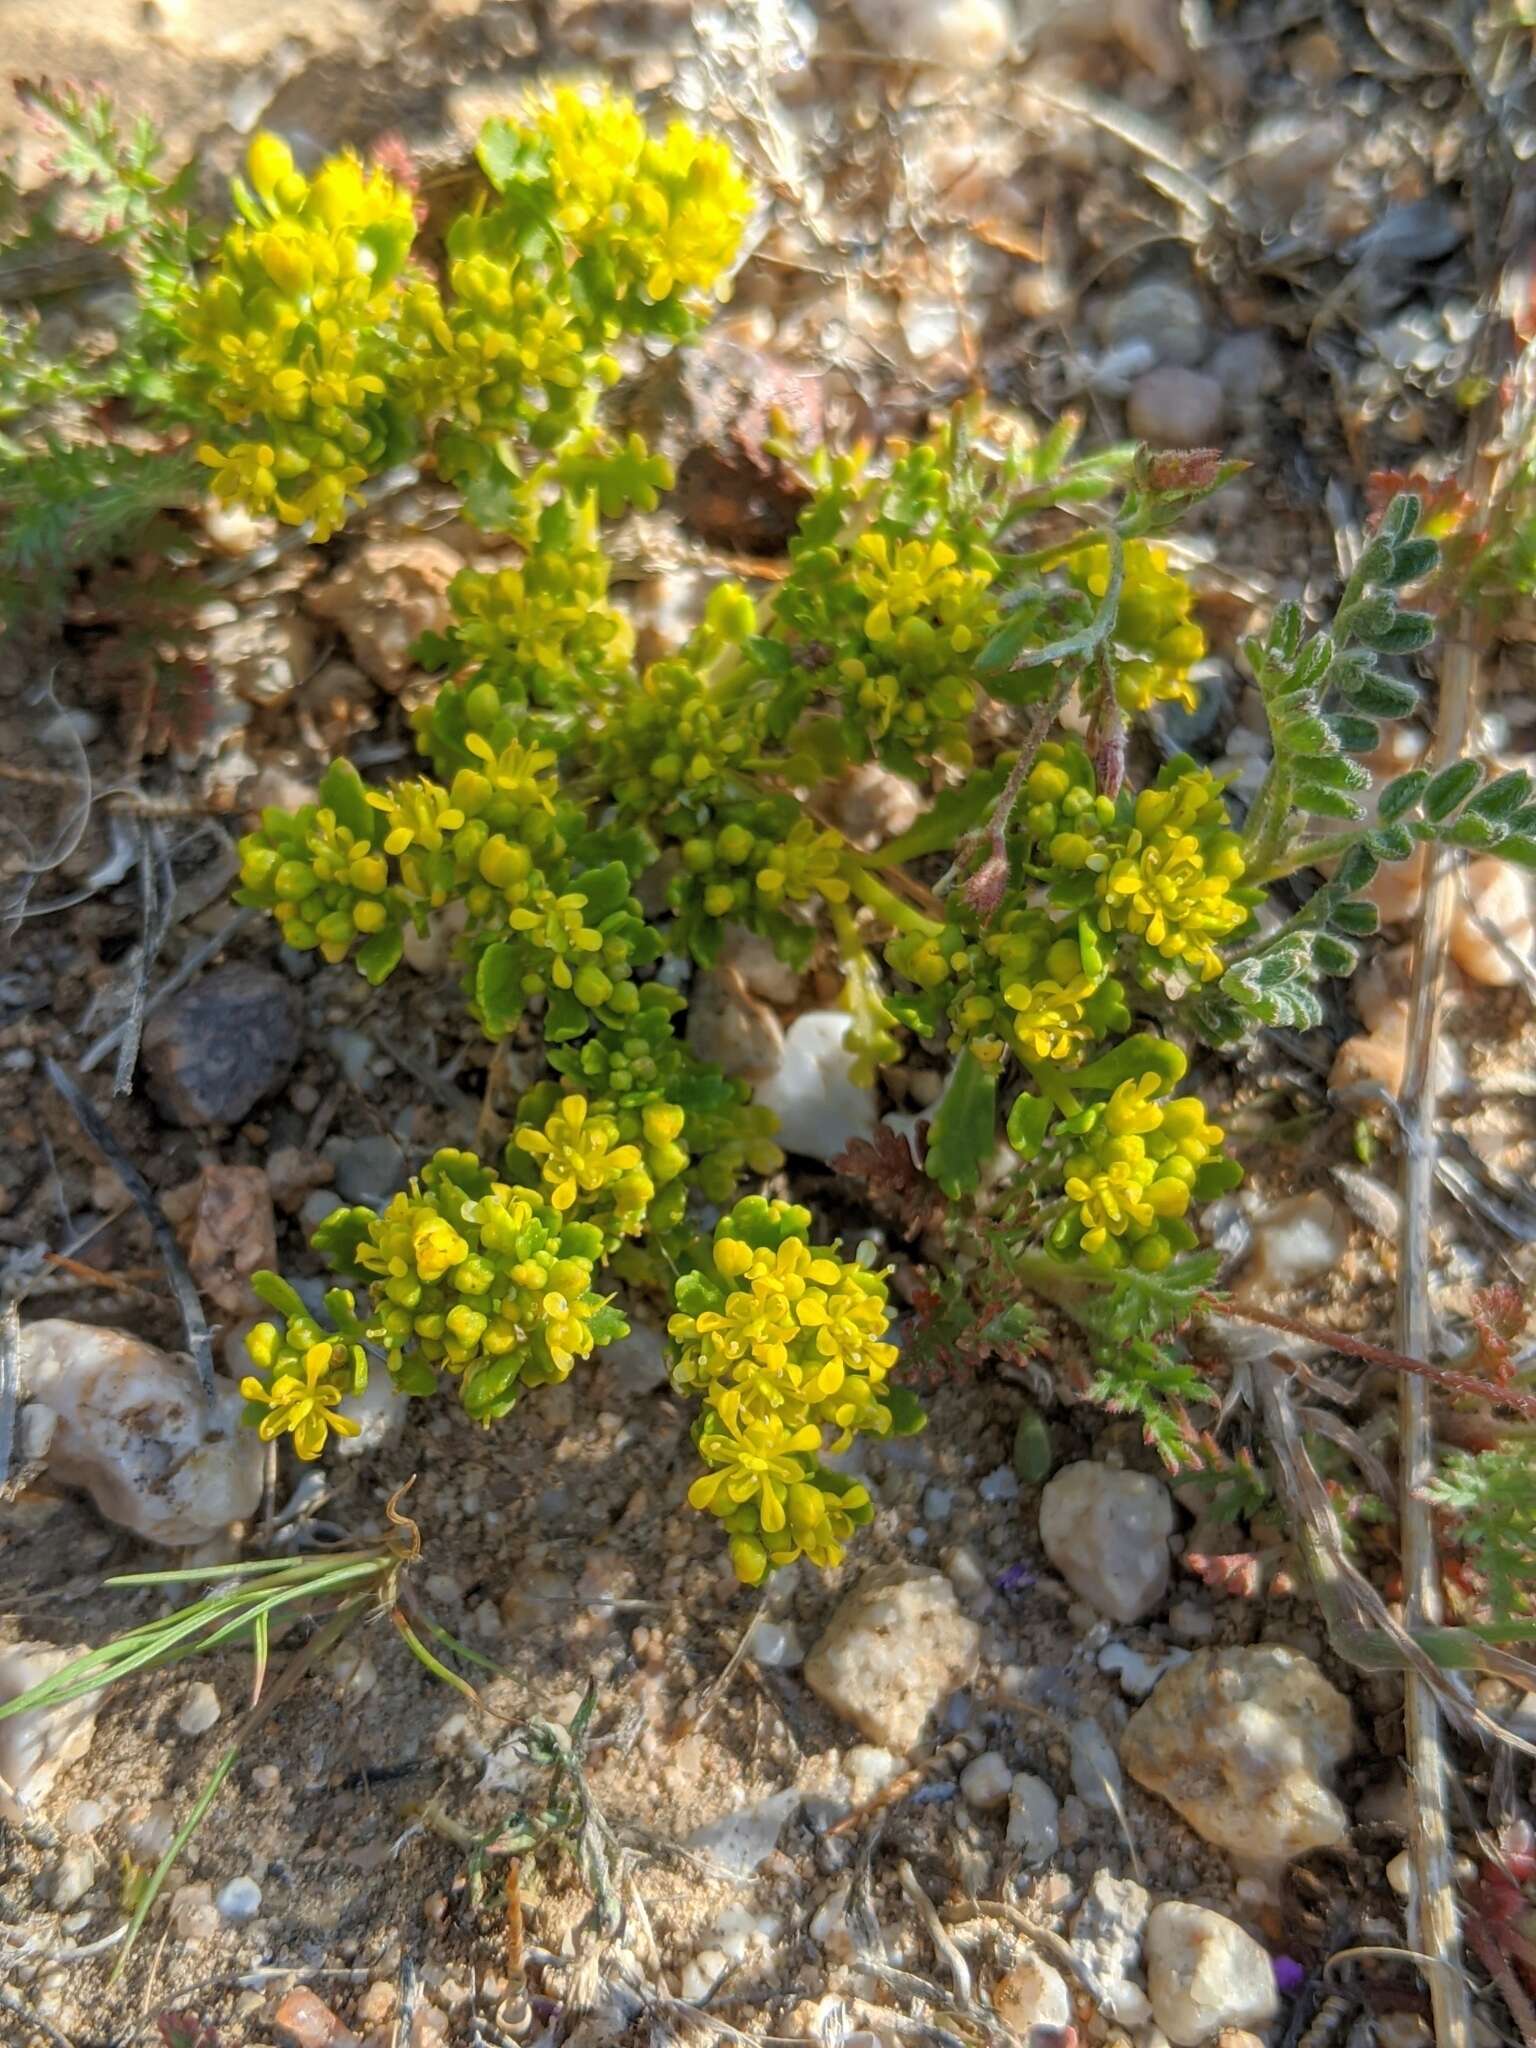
(1360,1624)
(1433,1919)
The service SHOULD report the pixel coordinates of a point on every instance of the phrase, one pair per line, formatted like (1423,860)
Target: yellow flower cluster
(787,1345)
(1170,875)
(541,634)
(655,219)
(929,614)
(586,1166)
(1134,1175)
(293,335)
(329,359)
(1027,982)
(1156,640)
(325,886)
(471,1275)
(308,1372)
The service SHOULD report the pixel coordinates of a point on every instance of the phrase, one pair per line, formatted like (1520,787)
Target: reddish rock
(304,2021)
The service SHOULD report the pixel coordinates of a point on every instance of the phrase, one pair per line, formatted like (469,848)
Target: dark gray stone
(221,1045)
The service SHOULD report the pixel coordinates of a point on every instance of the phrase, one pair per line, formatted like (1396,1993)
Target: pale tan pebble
(384,598)
(135,1431)
(1106,1531)
(1296,1240)
(1379,1057)
(729,1027)
(759,966)
(193,1915)
(1242,1742)
(1032,1994)
(895,1648)
(225,1224)
(1492,935)
(1380,989)
(232,530)
(432,951)
(871,804)
(962,35)
(1203,1972)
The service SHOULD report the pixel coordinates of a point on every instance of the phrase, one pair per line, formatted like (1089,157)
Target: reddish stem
(1443,1376)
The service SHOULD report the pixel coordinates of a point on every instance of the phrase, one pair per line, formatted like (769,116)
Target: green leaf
(908,1416)
(1449,790)
(337,1240)
(1392,842)
(1032,1452)
(342,790)
(1414,560)
(1503,796)
(1404,633)
(509,155)
(605,888)
(1028,1121)
(378,957)
(1381,696)
(1359,920)
(275,1291)
(1333,955)
(564,1018)
(1128,1061)
(1402,795)
(1321,802)
(963,1135)
(499,988)
(1354,735)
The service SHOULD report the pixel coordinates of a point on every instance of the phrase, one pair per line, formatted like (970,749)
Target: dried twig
(98,1049)
(1434,1923)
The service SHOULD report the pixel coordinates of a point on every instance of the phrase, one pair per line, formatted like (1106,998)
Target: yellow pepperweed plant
(983,613)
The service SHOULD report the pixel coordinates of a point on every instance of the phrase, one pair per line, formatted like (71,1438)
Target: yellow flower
(1169,880)
(302,1401)
(786,1342)
(1156,640)
(579,1154)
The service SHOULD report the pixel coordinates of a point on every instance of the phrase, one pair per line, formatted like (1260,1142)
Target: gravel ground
(1269,229)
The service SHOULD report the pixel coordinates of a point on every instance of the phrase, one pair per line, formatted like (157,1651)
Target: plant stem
(1332,846)
(1443,1376)
(871,891)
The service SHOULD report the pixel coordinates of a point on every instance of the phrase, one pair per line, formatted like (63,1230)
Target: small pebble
(199,1711)
(304,2021)
(84,1817)
(148,1837)
(194,1917)
(813,1094)
(1034,1819)
(1106,1531)
(776,1644)
(1032,1994)
(1176,408)
(240,1900)
(999,1485)
(1400,1874)
(1204,1972)
(1095,1767)
(963,35)
(1167,315)
(1296,1240)
(73,1876)
(223,1043)
(985,1782)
